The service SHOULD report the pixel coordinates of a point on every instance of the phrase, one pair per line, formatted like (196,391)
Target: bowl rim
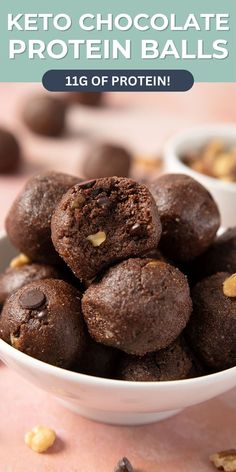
(205,131)
(76,377)
(65,374)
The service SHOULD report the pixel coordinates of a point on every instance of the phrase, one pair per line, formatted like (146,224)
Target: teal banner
(199,37)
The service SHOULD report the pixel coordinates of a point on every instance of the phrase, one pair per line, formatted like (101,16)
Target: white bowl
(113,401)
(194,138)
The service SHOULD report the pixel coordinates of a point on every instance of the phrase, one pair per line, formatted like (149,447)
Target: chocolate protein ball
(212,327)
(98,360)
(14,278)
(91,99)
(138,306)
(189,216)
(106,160)
(10,155)
(102,221)
(28,223)
(220,257)
(45,115)
(173,363)
(43,319)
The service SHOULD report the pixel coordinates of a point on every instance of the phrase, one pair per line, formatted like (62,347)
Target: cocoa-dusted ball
(43,319)
(173,363)
(189,215)
(10,155)
(106,160)
(100,222)
(138,306)
(28,222)
(14,278)
(45,115)
(212,327)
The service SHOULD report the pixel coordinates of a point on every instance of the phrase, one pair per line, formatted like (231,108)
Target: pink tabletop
(181,444)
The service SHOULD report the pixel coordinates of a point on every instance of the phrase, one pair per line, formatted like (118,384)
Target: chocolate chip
(104,203)
(138,230)
(87,184)
(32,299)
(124,466)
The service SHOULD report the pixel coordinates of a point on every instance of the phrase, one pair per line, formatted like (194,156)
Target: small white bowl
(113,401)
(193,139)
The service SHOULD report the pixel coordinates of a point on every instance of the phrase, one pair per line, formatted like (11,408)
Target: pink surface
(182,443)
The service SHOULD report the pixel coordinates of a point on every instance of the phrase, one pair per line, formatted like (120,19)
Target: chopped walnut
(40,438)
(229,286)
(215,159)
(225,460)
(19,261)
(97,239)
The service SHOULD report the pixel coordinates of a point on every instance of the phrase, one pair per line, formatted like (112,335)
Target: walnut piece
(40,438)
(229,286)
(225,460)
(153,264)
(19,261)
(14,341)
(97,239)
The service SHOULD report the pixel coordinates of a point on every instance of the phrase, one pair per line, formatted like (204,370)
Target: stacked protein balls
(98,288)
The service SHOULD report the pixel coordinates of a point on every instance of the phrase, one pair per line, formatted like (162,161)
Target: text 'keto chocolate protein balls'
(28,223)
(190,217)
(103,221)
(138,306)
(43,319)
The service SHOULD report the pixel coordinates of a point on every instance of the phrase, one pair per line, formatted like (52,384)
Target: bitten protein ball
(173,363)
(10,155)
(14,278)
(138,306)
(106,160)
(212,327)
(102,221)
(189,216)
(44,320)
(45,115)
(28,222)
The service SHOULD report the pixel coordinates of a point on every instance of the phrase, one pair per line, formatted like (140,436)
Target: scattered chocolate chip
(104,203)
(32,299)
(124,466)
(138,230)
(87,184)
(78,202)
